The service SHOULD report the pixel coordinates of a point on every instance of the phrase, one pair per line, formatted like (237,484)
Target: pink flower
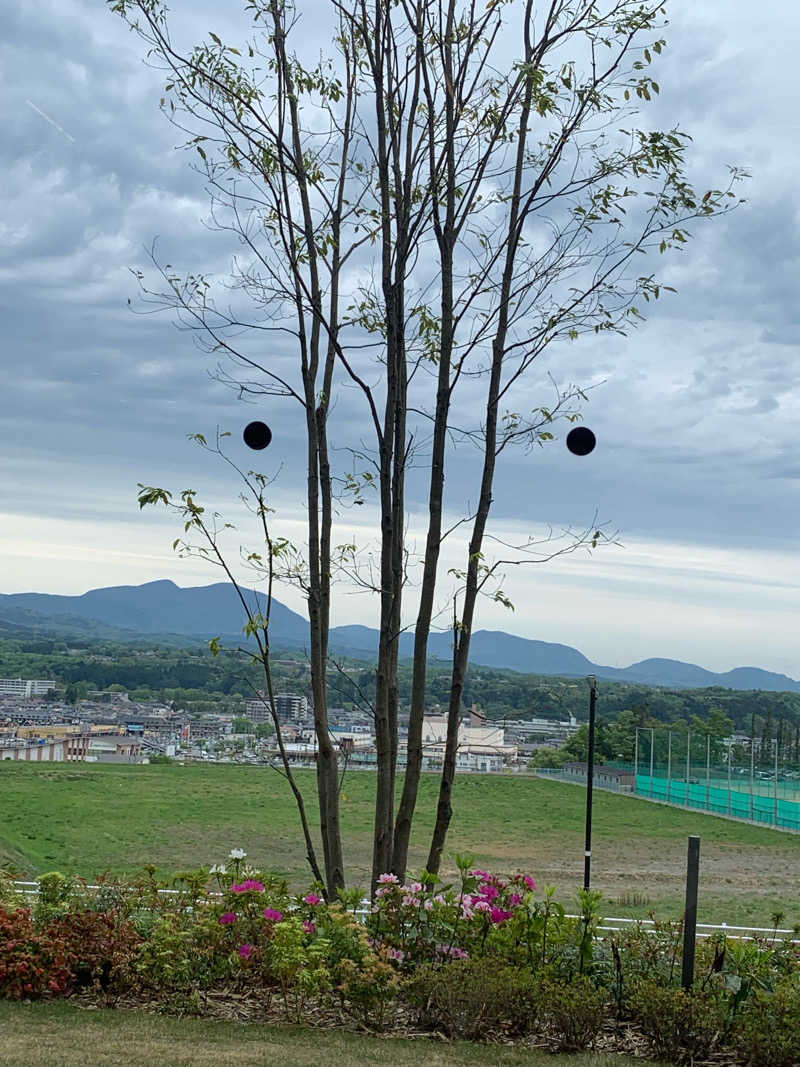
(246,887)
(416,887)
(482,905)
(388,879)
(246,951)
(227,917)
(410,902)
(427,904)
(498,916)
(273,915)
(309,927)
(312,899)
(452,951)
(467,912)
(396,954)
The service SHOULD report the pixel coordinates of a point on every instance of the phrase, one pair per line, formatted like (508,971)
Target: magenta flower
(273,915)
(246,951)
(489,892)
(515,900)
(227,917)
(312,899)
(529,882)
(309,927)
(246,887)
(499,915)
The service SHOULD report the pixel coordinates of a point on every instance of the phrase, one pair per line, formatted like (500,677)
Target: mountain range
(163,610)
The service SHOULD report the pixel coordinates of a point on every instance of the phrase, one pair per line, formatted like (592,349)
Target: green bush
(680,1025)
(473,998)
(179,953)
(573,1012)
(767,1031)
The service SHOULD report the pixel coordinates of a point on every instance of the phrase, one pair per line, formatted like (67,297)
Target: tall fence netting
(758,781)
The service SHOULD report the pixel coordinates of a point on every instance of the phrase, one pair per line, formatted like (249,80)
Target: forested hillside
(194,678)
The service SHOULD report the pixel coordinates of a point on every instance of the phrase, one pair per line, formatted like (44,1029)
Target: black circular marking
(581,441)
(257,435)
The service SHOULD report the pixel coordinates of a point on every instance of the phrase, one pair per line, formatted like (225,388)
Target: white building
(481,746)
(32,750)
(25,687)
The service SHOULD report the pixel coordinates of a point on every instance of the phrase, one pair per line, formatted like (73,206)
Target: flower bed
(487,956)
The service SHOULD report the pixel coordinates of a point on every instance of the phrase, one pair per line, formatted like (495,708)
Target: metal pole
(776,782)
(690,913)
(730,750)
(669,763)
(587,852)
(652,746)
(708,773)
(636,759)
(752,774)
(688,763)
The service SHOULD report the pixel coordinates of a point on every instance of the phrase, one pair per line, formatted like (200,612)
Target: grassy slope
(61,1035)
(89,818)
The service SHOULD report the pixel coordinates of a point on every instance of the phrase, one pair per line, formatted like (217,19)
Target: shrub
(768,1030)
(681,1026)
(368,989)
(574,1012)
(472,998)
(179,952)
(98,947)
(58,895)
(32,964)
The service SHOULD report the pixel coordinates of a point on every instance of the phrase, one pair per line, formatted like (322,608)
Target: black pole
(587,854)
(690,914)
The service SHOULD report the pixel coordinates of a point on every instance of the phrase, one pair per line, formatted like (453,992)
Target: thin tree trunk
(444,809)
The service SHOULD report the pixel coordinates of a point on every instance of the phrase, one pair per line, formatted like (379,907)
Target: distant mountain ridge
(161,608)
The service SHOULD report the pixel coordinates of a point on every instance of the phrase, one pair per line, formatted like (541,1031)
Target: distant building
(39,750)
(481,746)
(25,687)
(289,707)
(604,777)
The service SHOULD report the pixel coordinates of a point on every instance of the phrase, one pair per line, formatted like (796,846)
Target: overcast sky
(697,459)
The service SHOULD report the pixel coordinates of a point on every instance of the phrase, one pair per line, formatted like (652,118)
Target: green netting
(722,801)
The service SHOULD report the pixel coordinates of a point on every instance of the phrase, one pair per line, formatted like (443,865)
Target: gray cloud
(696,419)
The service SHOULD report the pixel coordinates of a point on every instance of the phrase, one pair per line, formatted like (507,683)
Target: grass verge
(59,1034)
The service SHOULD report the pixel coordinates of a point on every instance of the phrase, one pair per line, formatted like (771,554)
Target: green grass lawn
(85,819)
(60,1035)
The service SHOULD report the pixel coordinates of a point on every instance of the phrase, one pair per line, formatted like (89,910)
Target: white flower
(218,868)
(237,854)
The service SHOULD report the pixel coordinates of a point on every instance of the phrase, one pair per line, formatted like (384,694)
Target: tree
(424,211)
(547,757)
(241,725)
